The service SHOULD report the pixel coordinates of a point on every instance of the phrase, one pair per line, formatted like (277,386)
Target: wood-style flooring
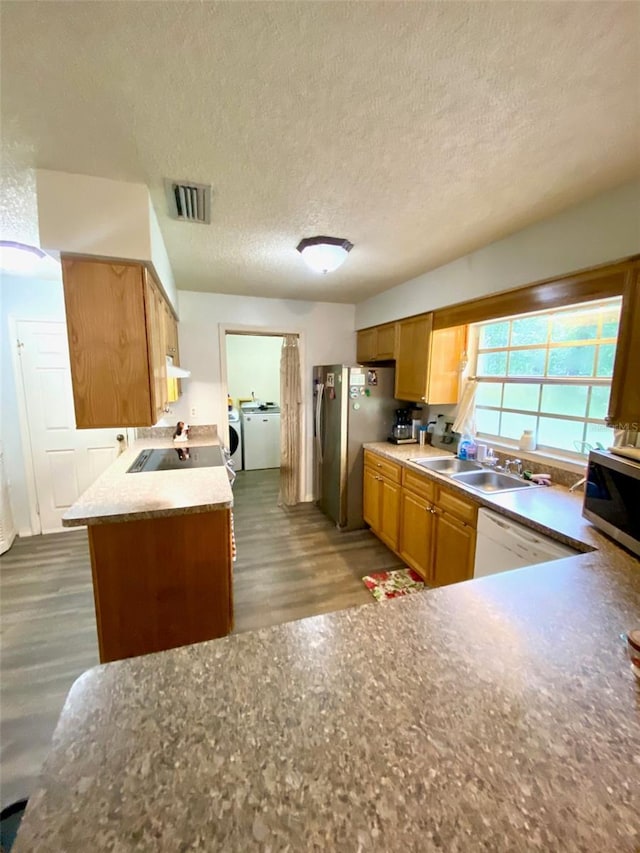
(292,563)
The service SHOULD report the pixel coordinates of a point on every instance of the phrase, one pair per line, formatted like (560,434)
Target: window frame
(592,381)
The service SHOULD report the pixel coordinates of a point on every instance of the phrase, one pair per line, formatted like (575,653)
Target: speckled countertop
(117,496)
(499,715)
(495,715)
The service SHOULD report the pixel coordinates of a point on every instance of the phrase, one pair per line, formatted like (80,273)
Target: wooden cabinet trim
(583,286)
(624,401)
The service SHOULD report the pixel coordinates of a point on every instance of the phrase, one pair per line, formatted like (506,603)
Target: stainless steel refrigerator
(352,405)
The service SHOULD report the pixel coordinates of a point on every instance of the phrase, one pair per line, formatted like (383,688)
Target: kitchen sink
(490,481)
(449,465)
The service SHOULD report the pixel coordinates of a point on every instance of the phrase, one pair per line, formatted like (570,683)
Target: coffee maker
(401,431)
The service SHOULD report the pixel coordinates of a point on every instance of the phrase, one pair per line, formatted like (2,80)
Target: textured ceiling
(419,131)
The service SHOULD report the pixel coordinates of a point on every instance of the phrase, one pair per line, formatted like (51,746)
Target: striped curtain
(291,409)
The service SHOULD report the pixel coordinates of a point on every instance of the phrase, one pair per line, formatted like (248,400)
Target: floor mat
(384,585)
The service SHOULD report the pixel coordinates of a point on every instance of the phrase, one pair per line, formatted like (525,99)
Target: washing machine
(235,439)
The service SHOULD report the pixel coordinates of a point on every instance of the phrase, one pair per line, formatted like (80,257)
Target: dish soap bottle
(467,448)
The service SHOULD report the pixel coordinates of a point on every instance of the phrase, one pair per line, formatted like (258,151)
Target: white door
(66,460)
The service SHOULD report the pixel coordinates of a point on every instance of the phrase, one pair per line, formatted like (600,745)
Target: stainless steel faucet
(518,466)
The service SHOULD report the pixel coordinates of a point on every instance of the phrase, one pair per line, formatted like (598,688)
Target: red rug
(384,585)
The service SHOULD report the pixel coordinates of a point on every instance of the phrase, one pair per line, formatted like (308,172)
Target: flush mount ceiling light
(324,254)
(20,258)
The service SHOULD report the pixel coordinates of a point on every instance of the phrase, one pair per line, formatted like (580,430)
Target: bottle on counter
(467,448)
(527,440)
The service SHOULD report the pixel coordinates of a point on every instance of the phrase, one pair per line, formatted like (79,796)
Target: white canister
(527,440)
(481,452)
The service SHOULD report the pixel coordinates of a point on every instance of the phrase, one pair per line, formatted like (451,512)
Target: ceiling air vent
(189,202)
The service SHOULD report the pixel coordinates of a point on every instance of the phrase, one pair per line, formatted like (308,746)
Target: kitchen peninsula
(499,714)
(160,544)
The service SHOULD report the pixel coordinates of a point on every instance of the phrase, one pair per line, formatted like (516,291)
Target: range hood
(175,372)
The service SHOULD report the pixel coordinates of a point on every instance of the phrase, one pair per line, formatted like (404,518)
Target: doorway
(61,462)
(253,388)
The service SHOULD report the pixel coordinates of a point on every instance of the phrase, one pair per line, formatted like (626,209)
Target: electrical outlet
(193,412)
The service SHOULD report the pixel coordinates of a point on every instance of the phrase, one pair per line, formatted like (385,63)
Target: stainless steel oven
(612,498)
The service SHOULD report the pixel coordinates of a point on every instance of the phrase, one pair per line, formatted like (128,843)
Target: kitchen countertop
(117,496)
(500,715)
(495,715)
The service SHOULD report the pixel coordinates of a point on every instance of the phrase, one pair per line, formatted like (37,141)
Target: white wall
(327,336)
(98,216)
(603,229)
(22,299)
(253,365)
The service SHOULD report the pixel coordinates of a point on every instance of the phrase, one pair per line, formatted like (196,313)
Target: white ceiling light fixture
(324,254)
(23,259)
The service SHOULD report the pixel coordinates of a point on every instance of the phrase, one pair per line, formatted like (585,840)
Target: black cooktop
(177,457)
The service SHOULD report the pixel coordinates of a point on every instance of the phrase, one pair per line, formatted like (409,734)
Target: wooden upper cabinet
(171,334)
(377,344)
(428,361)
(447,349)
(624,402)
(117,343)
(386,342)
(413,340)
(157,347)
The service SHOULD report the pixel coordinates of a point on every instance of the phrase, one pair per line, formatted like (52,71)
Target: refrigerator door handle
(318,416)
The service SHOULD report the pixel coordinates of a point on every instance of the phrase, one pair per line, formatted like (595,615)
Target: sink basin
(448,465)
(490,481)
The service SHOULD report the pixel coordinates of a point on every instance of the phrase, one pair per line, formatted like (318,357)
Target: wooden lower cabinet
(430,527)
(371,498)
(381,506)
(416,533)
(389,526)
(161,582)
(454,548)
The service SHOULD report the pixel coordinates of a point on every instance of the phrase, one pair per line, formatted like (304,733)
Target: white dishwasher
(502,545)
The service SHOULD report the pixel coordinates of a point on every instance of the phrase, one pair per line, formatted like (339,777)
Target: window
(549,372)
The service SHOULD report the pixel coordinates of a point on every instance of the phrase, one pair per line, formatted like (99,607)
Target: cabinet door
(366,346)
(454,549)
(371,498)
(389,513)
(412,358)
(107,343)
(447,348)
(624,402)
(171,334)
(156,347)
(386,342)
(416,533)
